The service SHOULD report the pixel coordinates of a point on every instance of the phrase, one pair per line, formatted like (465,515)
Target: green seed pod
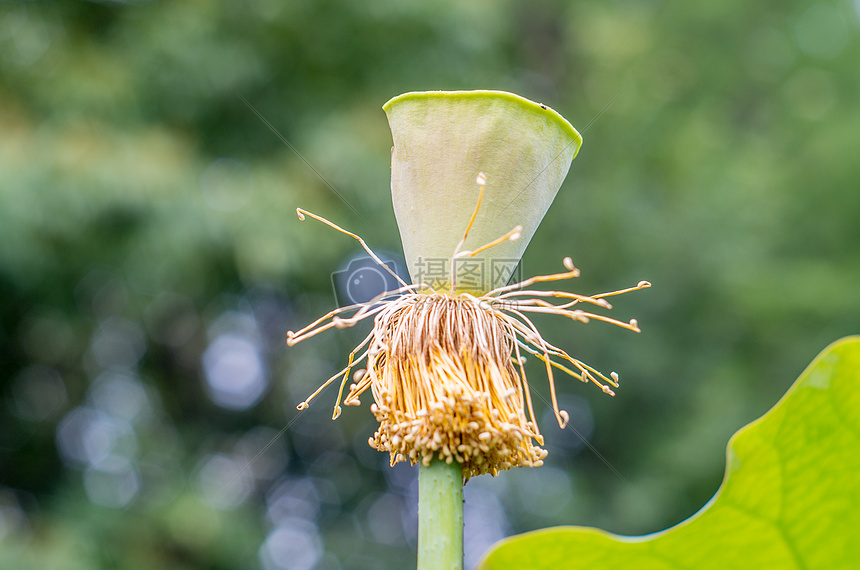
(442,140)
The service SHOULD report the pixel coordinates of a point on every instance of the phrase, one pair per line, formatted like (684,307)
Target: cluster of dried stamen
(447,369)
(445,386)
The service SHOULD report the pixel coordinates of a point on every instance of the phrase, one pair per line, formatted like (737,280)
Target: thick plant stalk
(440,516)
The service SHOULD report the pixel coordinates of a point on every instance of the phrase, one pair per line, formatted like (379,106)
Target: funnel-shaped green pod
(442,141)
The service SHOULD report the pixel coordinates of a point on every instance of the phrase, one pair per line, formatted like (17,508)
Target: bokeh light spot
(293,498)
(120,395)
(224,481)
(112,483)
(87,436)
(235,372)
(821,31)
(385,519)
(293,545)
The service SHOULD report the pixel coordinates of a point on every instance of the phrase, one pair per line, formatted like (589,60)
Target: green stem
(440,516)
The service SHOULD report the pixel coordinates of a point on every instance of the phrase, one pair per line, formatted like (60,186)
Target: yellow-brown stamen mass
(446,386)
(447,369)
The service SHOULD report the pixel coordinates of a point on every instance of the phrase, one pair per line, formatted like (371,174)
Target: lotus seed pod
(443,140)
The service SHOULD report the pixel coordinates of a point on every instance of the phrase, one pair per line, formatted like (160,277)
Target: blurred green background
(151,261)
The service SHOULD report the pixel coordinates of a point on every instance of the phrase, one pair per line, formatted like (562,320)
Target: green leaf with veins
(790,497)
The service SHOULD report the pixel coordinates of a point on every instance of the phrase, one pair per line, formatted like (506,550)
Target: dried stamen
(447,370)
